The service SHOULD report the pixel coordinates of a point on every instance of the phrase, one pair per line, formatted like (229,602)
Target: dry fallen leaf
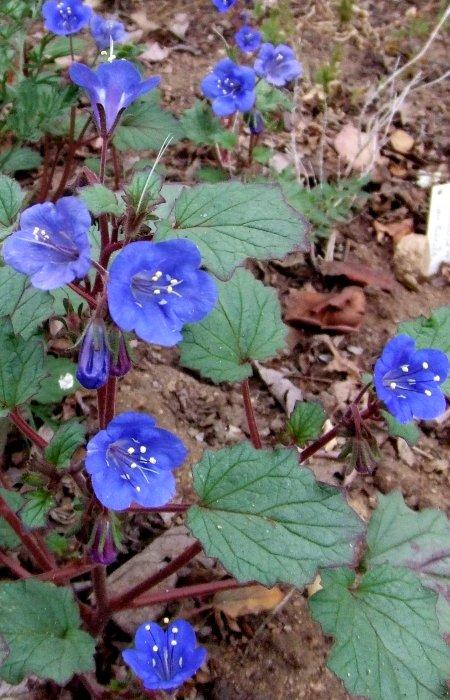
(180,24)
(356,272)
(247,601)
(155,53)
(142,21)
(412,260)
(395,229)
(285,392)
(401,141)
(355,147)
(340,311)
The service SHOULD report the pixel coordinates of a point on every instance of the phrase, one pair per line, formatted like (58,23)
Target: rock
(412,260)
(401,141)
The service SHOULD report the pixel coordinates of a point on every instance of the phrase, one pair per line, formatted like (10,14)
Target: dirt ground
(282,655)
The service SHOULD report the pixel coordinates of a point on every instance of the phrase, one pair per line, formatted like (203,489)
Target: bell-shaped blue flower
(156,288)
(248,39)
(66,17)
(165,659)
(131,461)
(231,88)
(104,30)
(94,359)
(224,5)
(408,380)
(114,86)
(52,244)
(277,64)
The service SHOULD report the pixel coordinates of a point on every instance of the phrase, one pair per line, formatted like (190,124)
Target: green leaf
(35,509)
(11,197)
(144,191)
(8,538)
(201,126)
(208,174)
(100,200)
(306,422)
(66,440)
(26,306)
(61,46)
(60,380)
(245,325)
(21,368)
(145,126)
(14,159)
(387,638)
(431,332)
(231,221)
(408,431)
(271,99)
(418,541)
(267,519)
(41,625)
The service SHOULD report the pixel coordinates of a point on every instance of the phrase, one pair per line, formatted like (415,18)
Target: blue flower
(277,64)
(164,660)
(66,17)
(224,5)
(94,359)
(132,461)
(230,87)
(52,244)
(155,288)
(408,380)
(115,85)
(103,30)
(248,39)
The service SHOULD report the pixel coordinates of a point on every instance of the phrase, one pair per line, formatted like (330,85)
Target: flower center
(133,460)
(228,86)
(60,242)
(411,377)
(162,660)
(66,14)
(158,285)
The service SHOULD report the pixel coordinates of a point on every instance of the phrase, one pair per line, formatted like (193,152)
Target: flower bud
(120,362)
(94,359)
(256,123)
(102,545)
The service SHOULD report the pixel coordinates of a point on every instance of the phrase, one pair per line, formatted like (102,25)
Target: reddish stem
(17,419)
(108,251)
(43,189)
(43,559)
(117,174)
(125,599)
(200,590)
(110,407)
(66,573)
(170,508)
(101,405)
(252,426)
(82,293)
(69,158)
(13,565)
(101,597)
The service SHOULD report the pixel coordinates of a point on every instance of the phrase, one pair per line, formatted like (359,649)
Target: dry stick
(199,590)
(252,426)
(125,599)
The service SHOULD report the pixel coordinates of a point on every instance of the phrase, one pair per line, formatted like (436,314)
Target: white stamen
(166,620)
(425,365)
(174,642)
(130,450)
(436,378)
(153,663)
(154,648)
(393,385)
(142,449)
(147,627)
(174,281)
(174,630)
(133,465)
(427,392)
(138,489)
(405,368)
(156,291)
(170,289)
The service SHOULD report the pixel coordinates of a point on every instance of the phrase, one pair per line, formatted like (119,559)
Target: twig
(200,590)
(252,425)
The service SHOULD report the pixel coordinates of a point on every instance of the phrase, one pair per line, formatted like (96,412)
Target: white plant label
(438,232)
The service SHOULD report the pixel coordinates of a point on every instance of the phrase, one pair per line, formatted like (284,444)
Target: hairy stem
(82,293)
(31,434)
(44,560)
(101,597)
(69,158)
(125,599)
(252,426)
(199,590)
(13,565)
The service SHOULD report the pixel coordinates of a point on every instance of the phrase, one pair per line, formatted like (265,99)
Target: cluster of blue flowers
(66,17)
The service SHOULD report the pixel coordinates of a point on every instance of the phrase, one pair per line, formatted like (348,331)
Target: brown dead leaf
(339,311)
(155,53)
(395,229)
(247,601)
(401,141)
(356,272)
(355,147)
(179,25)
(285,392)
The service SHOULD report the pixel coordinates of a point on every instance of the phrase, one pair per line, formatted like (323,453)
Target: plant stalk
(249,412)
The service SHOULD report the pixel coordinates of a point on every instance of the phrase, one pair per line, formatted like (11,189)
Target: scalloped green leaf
(41,626)
(387,640)
(145,126)
(231,222)
(418,541)
(245,325)
(266,519)
(21,367)
(26,306)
